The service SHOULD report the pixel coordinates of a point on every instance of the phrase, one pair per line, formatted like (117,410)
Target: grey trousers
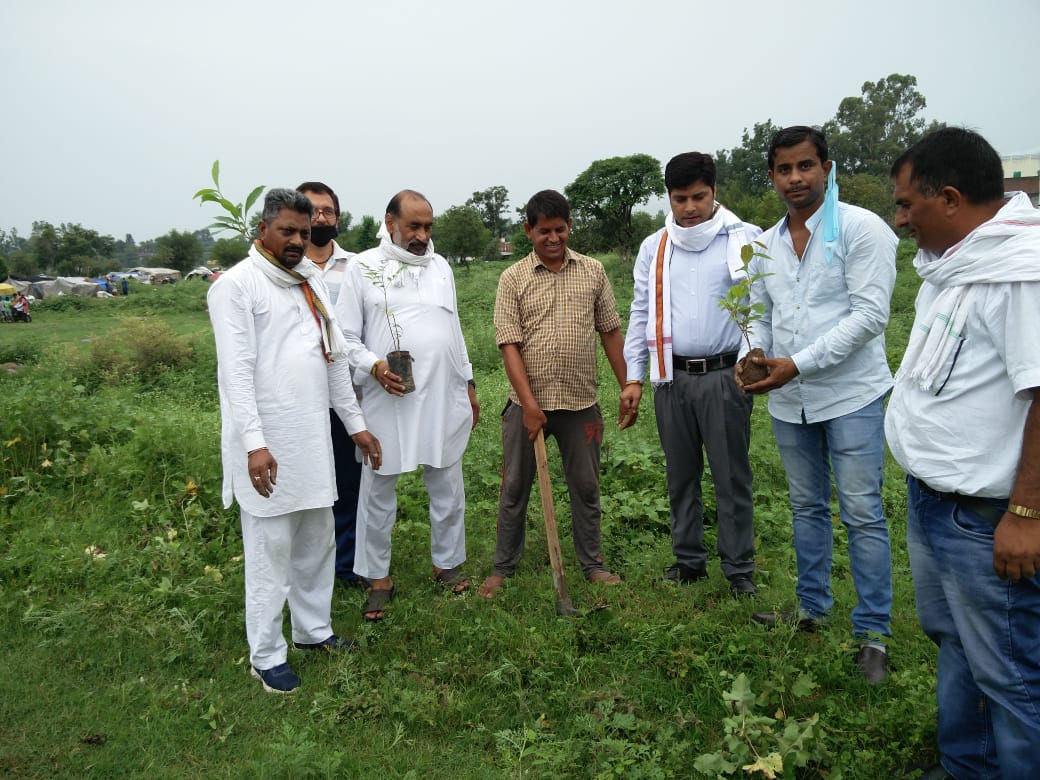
(698,414)
(578,435)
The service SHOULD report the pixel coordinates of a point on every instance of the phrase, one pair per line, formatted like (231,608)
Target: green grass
(121,601)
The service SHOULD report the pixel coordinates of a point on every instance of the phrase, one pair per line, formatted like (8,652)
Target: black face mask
(321,235)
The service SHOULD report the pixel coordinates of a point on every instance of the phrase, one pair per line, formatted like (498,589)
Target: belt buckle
(697,366)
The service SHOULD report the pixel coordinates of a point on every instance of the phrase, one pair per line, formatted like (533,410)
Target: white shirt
(275,390)
(430,425)
(334,268)
(698,279)
(967,437)
(829,318)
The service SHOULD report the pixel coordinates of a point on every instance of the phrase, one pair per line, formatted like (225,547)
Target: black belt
(703,365)
(988,508)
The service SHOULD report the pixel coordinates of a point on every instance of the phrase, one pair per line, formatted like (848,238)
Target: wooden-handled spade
(552,536)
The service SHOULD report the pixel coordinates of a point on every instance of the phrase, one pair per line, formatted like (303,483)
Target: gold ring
(386,373)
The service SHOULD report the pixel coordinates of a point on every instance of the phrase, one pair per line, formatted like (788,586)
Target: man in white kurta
(429,426)
(275,337)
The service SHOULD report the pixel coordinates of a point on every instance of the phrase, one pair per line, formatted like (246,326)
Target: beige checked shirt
(554,319)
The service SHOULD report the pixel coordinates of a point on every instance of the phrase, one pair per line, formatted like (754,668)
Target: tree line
(866,133)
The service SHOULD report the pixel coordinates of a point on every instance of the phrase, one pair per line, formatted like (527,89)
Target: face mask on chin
(321,235)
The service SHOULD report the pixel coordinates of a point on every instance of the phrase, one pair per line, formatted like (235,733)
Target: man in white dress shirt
(676,325)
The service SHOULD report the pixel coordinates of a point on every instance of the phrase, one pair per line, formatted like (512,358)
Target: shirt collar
(812,223)
(570,256)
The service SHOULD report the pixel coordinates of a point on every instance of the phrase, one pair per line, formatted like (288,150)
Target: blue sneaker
(331,645)
(277,679)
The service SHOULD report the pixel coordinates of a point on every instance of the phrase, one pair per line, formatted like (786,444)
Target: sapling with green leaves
(381,281)
(237,219)
(737,304)
(398,360)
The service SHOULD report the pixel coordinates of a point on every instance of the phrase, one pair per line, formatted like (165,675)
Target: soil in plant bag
(753,372)
(401,364)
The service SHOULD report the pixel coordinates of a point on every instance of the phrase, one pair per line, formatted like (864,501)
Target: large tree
(361,236)
(743,171)
(181,251)
(492,204)
(460,232)
(869,132)
(604,195)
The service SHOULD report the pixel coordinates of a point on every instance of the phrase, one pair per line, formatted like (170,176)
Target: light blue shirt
(829,318)
(697,279)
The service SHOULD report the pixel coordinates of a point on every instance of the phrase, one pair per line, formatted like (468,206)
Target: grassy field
(121,601)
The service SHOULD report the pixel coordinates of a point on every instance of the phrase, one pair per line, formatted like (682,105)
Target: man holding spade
(549,308)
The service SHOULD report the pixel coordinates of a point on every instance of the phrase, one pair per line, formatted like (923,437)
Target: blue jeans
(854,446)
(988,633)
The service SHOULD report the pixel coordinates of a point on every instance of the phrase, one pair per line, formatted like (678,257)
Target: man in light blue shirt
(825,288)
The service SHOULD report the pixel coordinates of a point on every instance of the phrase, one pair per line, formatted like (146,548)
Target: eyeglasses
(324,211)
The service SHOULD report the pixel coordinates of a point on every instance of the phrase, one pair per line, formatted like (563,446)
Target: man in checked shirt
(549,308)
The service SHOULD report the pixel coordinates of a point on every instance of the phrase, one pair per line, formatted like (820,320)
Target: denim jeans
(853,445)
(988,633)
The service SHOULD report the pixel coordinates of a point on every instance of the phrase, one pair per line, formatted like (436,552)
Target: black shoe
(742,585)
(804,622)
(872,663)
(683,574)
(331,645)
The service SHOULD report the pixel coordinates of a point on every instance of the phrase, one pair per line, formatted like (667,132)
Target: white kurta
(275,390)
(431,425)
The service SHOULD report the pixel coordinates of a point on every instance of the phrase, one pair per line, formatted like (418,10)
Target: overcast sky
(114,110)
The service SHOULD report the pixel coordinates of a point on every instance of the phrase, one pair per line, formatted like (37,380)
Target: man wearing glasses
(332,259)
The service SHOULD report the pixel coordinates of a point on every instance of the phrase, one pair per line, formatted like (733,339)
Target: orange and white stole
(659,319)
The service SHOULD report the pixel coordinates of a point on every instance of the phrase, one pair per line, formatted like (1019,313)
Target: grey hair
(281,198)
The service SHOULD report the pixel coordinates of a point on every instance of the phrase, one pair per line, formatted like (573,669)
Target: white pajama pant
(377,511)
(290,558)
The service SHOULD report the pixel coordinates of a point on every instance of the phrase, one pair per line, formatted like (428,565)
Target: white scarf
(337,345)
(691,239)
(401,267)
(1005,248)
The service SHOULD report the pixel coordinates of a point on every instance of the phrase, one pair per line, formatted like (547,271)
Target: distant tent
(156,275)
(7,289)
(29,285)
(202,272)
(67,285)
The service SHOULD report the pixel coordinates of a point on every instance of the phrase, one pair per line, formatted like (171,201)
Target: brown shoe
(604,577)
(490,586)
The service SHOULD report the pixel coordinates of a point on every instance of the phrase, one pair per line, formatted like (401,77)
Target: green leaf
(251,199)
(230,208)
(216,173)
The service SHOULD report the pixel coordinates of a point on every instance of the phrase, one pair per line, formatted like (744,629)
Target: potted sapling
(399,361)
(737,303)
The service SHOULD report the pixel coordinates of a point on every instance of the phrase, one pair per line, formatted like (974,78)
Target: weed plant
(121,601)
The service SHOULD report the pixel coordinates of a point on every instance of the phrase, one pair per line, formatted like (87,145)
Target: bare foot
(490,586)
